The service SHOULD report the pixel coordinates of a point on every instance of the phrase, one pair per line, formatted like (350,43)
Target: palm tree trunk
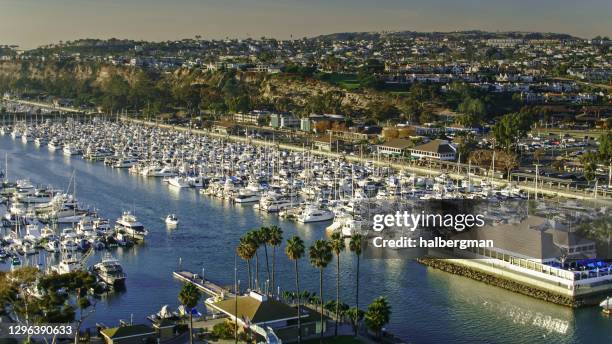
(190,327)
(250,275)
(267,267)
(337,293)
(321,300)
(256,271)
(273,269)
(299,320)
(357,292)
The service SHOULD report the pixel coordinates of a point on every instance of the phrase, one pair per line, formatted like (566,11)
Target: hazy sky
(30,23)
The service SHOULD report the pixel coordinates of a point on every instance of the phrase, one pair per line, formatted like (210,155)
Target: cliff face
(38,70)
(268,87)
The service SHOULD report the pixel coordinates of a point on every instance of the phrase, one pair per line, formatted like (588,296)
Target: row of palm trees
(320,254)
(248,248)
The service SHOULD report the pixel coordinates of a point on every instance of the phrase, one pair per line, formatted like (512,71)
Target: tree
(538,154)
(254,240)
(355,315)
(263,236)
(320,255)
(473,111)
(383,111)
(511,128)
(503,161)
(377,315)
(355,247)
(189,296)
(426,117)
(246,251)
(295,250)
(390,133)
(275,239)
(337,246)
(605,148)
(589,166)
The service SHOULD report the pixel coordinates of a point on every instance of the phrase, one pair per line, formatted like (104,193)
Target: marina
(196,241)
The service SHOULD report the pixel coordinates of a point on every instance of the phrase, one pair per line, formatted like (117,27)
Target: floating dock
(207,286)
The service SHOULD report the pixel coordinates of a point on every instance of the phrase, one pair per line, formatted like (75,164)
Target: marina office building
(272,319)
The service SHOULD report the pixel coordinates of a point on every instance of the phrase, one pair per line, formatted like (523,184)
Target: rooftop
(257,310)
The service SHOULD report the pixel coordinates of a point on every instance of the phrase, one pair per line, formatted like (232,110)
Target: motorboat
(71,149)
(172,220)
(110,270)
(246,197)
(606,305)
(315,214)
(129,225)
(179,182)
(125,163)
(67,264)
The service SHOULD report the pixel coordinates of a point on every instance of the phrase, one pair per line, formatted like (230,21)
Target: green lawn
(346,81)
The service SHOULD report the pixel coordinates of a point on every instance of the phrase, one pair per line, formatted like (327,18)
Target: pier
(207,286)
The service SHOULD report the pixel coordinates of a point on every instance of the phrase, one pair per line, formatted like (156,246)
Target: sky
(31,23)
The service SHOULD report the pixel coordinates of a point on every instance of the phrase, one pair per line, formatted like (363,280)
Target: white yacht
(246,196)
(274,204)
(40,141)
(315,214)
(33,233)
(606,305)
(125,163)
(172,220)
(67,265)
(27,137)
(110,270)
(160,172)
(129,225)
(71,149)
(52,246)
(54,145)
(179,182)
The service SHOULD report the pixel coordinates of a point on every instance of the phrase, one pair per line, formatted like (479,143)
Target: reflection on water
(428,305)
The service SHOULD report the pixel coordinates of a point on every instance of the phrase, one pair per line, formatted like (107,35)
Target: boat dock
(207,286)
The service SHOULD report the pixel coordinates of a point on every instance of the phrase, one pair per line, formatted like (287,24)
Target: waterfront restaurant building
(540,253)
(435,149)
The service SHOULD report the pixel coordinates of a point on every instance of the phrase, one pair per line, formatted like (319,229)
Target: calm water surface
(429,306)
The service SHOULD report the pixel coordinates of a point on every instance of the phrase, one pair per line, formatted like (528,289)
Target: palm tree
(246,251)
(295,251)
(377,315)
(253,238)
(337,246)
(355,247)
(263,236)
(275,239)
(320,255)
(189,296)
(355,315)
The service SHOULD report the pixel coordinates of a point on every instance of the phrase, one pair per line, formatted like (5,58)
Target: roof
(127,331)
(436,146)
(257,311)
(397,143)
(534,237)
(164,323)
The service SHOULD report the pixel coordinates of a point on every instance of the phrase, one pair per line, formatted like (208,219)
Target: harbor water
(428,306)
